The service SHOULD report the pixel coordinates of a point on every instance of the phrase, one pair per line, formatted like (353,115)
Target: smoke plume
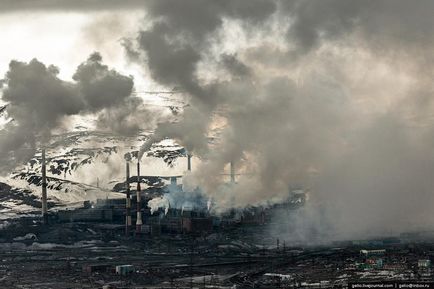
(335,95)
(332,95)
(38,102)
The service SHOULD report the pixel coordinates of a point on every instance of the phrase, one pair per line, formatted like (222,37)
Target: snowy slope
(86,165)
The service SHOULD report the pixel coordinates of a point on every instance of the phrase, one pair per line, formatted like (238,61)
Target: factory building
(137,219)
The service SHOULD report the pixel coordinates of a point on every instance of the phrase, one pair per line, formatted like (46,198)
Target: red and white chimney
(127,202)
(139,205)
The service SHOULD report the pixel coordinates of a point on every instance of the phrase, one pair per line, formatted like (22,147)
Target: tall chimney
(44,190)
(232,172)
(189,162)
(139,205)
(128,202)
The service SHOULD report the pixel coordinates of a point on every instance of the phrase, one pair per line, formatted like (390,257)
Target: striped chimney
(128,202)
(139,205)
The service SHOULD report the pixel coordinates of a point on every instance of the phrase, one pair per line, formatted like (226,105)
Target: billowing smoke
(65,5)
(335,95)
(38,102)
(99,86)
(173,48)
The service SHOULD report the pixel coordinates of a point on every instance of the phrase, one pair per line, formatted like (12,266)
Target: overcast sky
(65,38)
(336,95)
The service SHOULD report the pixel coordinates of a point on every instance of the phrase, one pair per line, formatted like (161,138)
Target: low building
(424,263)
(368,253)
(91,268)
(124,270)
(197,225)
(86,215)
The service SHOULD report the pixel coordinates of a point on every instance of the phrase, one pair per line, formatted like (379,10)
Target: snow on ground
(93,244)
(86,166)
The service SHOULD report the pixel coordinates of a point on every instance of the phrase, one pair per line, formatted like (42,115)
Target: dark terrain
(78,255)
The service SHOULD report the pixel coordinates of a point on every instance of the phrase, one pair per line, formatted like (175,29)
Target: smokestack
(189,162)
(139,205)
(232,172)
(128,202)
(44,190)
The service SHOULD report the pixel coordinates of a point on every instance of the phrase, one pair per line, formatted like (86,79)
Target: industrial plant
(135,217)
(216,144)
(124,242)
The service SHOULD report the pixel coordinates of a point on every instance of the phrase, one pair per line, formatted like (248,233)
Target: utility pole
(44,190)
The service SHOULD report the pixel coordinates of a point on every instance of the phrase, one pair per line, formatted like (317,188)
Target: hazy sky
(66,38)
(335,95)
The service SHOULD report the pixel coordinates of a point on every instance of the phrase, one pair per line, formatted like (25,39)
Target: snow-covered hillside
(87,165)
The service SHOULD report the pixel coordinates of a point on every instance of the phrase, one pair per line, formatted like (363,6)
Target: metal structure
(128,201)
(44,190)
(139,222)
(189,162)
(232,172)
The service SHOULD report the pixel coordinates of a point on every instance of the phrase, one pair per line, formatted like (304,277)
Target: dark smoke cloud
(99,86)
(38,101)
(65,5)
(173,47)
(108,92)
(234,66)
(128,118)
(337,99)
(387,26)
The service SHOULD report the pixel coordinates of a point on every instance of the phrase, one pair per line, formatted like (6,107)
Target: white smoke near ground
(335,95)
(182,199)
(159,202)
